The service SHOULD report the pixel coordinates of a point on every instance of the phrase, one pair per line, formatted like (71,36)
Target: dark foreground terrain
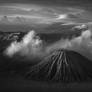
(19,84)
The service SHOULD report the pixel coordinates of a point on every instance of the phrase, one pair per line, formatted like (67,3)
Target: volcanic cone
(63,66)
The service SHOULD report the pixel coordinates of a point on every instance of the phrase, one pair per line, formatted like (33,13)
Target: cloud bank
(81,44)
(31,46)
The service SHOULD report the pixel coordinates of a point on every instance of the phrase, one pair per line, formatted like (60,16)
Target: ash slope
(62,66)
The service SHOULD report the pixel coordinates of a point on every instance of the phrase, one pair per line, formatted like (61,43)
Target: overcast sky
(82,3)
(48,11)
(49,1)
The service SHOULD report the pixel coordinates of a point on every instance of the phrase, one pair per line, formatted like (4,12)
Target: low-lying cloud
(31,46)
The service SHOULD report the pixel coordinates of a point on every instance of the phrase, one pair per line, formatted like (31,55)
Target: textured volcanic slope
(62,66)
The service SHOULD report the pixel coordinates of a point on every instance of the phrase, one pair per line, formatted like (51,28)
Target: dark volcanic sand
(19,84)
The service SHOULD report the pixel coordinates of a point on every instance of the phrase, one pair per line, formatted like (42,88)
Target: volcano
(62,66)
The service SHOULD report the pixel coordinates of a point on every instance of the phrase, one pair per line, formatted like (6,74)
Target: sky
(45,11)
(41,1)
(85,3)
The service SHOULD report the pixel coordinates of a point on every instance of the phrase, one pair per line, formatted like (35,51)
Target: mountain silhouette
(62,66)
